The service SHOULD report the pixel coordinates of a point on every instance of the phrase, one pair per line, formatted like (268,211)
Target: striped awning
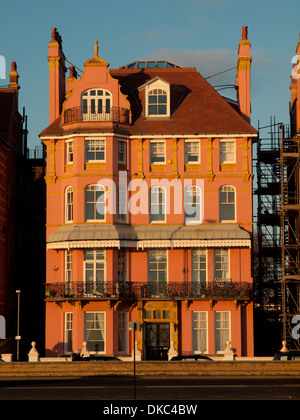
(149,236)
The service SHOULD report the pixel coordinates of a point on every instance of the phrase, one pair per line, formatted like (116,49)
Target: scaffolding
(290,236)
(277,245)
(267,245)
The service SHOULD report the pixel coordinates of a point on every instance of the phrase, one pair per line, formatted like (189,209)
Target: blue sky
(200,33)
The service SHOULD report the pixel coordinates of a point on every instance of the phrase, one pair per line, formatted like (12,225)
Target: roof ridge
(164,70)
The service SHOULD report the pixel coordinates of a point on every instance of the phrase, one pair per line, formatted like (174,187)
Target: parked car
(290,355)
(192,358)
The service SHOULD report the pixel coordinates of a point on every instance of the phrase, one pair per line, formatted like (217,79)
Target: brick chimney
(14,76)
(57,70)
(243,75)
(70,81)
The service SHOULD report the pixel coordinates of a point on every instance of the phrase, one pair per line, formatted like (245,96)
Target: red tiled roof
(198,108)
(201,110)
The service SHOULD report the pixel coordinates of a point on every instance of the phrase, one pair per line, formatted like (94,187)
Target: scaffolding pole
(290,236)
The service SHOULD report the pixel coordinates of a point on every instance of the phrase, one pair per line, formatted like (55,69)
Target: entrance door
(157,341)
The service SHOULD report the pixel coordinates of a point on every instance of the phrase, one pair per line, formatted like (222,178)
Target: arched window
(227,203)
(94,202)
(69,204)
(157,102)
(192,204)
(157,204)
(96,105)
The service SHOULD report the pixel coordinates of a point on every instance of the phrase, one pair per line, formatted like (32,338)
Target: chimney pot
(245,32)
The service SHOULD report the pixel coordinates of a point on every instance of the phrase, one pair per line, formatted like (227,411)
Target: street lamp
(18,337)
(134,326)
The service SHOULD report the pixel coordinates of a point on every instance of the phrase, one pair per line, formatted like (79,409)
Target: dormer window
(157,98)
(96,105)
(157,102)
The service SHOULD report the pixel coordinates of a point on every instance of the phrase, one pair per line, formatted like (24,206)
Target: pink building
(149,209)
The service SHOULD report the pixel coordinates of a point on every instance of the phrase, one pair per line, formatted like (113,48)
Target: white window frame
(122,144)
(69,151)
(156,153)
(220,328)
(94,263)
(99,146)
(157,200)
(69,204)
(157,85)
(123,330)
(227,189)
(195,192)
(68,267)
(157,281)
(223,260)
(122,264)
(189,143)
(96,204)
(68,330)
(122,204)
(199,327)
(197,268)
(94,98)
(94,329)
(225,152)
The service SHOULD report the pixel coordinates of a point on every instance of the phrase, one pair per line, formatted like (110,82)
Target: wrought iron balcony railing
(92,114)
(217,289)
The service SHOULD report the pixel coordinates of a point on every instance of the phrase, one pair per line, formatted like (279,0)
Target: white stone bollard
(138,353)
(84,351)
(33,355)
(6,357)
(172,352)
(228,353)
(284,347)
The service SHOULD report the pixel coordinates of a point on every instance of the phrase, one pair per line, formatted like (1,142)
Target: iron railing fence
(216,289)
(90,114)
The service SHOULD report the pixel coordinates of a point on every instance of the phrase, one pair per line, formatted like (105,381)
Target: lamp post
(134,326)
(18,337)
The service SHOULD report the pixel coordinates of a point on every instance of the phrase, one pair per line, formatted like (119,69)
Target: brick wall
(69,369)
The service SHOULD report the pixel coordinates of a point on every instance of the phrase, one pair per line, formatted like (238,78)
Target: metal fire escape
(290,236)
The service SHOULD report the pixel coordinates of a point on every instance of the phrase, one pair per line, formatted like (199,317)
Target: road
(116,388)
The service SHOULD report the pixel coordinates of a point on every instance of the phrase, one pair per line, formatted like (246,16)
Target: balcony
(218,289)
(91,114)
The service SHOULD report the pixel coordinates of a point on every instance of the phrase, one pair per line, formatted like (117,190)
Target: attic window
(157,102)
(157,99)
